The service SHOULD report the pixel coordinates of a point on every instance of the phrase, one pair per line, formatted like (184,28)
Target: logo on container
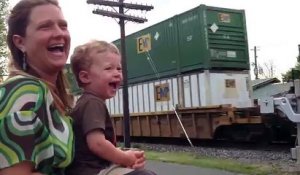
(143,43)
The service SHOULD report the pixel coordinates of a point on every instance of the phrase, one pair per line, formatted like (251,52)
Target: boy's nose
(117,73)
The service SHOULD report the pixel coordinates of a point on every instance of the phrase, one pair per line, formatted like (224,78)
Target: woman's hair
(17,23)
(82,57)
(18,20)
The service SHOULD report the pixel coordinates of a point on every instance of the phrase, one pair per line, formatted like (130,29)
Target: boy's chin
(111,96)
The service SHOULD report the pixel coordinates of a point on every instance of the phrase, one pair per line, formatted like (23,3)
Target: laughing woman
(36,136)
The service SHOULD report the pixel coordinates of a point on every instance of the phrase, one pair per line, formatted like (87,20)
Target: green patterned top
(31,128)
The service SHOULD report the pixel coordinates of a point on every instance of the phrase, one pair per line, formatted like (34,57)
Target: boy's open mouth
(113,85)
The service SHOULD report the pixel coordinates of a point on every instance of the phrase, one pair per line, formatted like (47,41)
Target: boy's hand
(141,160)
(131,156)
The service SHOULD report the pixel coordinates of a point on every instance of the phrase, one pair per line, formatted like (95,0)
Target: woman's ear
(84,77)
(19,42)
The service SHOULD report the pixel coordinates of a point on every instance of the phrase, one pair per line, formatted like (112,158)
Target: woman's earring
(24,62)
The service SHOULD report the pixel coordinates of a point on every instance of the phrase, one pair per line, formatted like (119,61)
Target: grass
(214,163)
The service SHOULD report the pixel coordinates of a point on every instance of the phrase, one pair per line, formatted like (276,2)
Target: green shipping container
(152,52)
(203,38)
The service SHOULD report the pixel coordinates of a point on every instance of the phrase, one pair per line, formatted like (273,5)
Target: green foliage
(292,73)
(213,163)
(3,33)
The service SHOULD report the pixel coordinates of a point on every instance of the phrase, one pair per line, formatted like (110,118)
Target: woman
(36,136)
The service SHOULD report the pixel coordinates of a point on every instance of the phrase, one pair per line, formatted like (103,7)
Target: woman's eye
(44,26)
(63,25)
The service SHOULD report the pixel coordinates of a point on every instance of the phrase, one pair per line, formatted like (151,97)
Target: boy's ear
(84,77)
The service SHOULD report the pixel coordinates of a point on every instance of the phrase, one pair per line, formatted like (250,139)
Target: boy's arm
(105,149)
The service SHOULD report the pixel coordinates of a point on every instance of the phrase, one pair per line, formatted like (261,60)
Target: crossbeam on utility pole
(118,15)
(118,4)
(122,18)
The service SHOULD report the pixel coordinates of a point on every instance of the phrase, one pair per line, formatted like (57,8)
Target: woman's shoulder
(21,89)
(23,82)
(20,93)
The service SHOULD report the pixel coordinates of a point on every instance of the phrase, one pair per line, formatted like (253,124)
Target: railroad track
(275,154)
(218,144)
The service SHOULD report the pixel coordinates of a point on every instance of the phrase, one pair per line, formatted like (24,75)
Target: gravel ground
(279,157)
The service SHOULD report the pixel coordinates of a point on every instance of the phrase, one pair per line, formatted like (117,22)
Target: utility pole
(122,18)
(298,57)
(255,63)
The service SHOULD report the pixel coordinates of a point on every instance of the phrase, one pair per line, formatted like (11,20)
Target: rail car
(192,69)
(203,104)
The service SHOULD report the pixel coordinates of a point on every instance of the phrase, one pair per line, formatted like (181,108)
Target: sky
(273,26)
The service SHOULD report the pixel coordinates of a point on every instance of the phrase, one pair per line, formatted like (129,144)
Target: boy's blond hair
(82,57)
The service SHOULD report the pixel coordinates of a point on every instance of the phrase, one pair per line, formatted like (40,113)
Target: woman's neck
(50,77)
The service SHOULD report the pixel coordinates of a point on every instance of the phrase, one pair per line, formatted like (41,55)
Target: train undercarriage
(222,122)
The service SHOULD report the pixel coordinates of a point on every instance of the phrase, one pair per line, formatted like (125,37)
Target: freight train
(191,73)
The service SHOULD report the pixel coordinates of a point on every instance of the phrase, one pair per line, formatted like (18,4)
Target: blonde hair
(82,57)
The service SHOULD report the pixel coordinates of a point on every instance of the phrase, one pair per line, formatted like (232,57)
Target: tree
(292,73)
(267,70)
(3,33)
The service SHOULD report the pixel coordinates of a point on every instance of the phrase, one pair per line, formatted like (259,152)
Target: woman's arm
(23,168)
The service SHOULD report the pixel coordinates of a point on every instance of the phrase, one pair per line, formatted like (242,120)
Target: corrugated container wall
(151,53)
(212,38)
(202,38)
(199,89)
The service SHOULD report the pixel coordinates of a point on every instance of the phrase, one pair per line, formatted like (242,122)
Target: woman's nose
(59,31)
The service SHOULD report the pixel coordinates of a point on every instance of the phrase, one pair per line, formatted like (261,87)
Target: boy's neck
(92,92)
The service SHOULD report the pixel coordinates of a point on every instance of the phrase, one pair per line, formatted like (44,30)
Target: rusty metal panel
(154,125)
(203,126)
(164,126)
(135,126)
(145,124)
(175,126)
(118,125)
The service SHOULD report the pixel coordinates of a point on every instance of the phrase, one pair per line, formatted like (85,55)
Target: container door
(227,38)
